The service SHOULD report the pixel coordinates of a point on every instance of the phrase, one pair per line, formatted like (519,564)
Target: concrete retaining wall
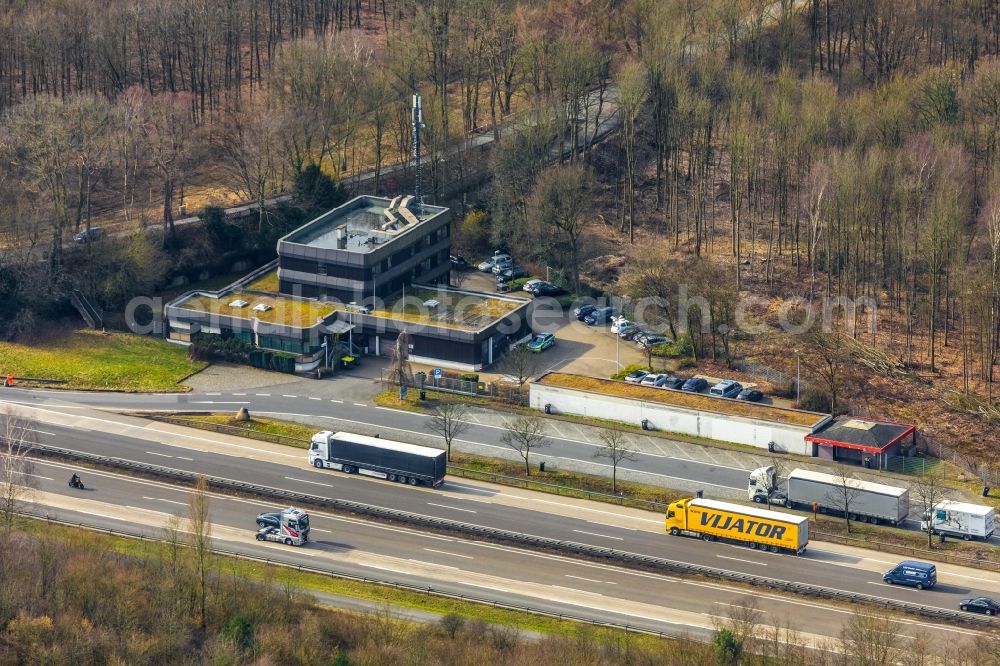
(723,427)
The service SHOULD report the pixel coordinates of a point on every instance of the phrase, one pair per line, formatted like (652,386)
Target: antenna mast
(418,123)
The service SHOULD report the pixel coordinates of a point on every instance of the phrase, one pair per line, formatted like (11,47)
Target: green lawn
(87,359)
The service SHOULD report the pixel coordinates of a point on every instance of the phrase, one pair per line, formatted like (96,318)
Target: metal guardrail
(370,580)
(571,548)
(224,429)
(912,551)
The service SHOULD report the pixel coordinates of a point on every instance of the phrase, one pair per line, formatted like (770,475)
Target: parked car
(635,377)
(983,605)
(674,383)
(627,332)
(512,273)
(547,289)
(695,385)
(653,339)
(530,285)
(912,573)
(487,265)
(541,342)
(88,235)
(581,312)
(653,379)
(599,316)
(617,323)
(727,388)
(458,263)
(750,395)
(500,265)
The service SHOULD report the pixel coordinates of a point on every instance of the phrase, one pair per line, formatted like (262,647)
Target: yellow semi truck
(757,528)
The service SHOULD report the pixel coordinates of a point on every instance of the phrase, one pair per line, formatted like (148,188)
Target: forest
(782,157)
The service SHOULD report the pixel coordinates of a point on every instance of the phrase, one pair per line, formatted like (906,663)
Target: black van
(915,574)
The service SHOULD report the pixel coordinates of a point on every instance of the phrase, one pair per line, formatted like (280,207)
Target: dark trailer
(377,457)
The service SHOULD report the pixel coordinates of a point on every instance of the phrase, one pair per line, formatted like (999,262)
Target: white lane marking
(183,458)
(162,455)
(432,564)
(101,515)
(605,536)
(212,393)
(723,603)
(360,404)
(575,589)
(219,402)
(316,529)
(589,580)
(263,395)
(488,587)
(380,568)
(740,559)
(239,394)
(315,483)
(312,398)
(160,499)
(442,552)
(339,402)
(41,432)
(453,508)
(139,508)
(478,490)
(37,476)
(285,395)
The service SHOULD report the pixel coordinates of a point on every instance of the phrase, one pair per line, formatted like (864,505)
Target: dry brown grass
(284,311)
(681,399)
(267,282)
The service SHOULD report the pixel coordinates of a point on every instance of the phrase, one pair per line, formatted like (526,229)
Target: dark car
(674,383)
(983,605)
(599,316)
(269,519)
(653,339)
(695,385)
(750,395)
(458,263)
(88,235)
(581,312)
(512,273)
(546,289)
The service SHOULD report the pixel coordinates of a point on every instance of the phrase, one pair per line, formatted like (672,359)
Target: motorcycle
(76,483)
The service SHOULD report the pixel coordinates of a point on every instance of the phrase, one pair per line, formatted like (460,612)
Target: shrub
(679,349)
(518,284)
(208,347)
(452,623)
(814,401)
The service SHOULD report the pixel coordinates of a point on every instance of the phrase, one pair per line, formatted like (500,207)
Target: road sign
(402,393)
(437,373)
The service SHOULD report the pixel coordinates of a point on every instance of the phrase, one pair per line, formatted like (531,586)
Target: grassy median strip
(289,577)
(93,360)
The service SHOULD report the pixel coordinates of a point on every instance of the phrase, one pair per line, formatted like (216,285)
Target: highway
(488,571)
(836,567)
(659,469)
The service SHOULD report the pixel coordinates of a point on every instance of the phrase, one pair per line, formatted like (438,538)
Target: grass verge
(92,360)
(270,430)
(287,577)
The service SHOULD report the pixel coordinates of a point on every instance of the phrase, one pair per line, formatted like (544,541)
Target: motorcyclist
(74,481)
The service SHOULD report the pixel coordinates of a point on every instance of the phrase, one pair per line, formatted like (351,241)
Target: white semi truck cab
(292,528)
(762,483)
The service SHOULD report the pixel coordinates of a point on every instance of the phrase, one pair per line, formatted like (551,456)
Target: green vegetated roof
(285,311)
(457,310)
(267,282)
(697,401)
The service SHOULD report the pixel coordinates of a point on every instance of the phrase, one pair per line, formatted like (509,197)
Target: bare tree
(399,372)
(17,439)
(524,434)
(200,538)
(617,449)
(518,364)
(844,494)
(869,640)
(773,483)
(927,491)
(448,420)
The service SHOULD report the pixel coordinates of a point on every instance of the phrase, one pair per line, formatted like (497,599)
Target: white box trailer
(960,520)
(867,501)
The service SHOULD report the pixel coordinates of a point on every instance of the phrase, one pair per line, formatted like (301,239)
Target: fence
(491,390)
(982,560)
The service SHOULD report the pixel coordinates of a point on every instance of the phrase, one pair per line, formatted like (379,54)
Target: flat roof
(368,226)
(837,480)
(965,507)
(699,401)
(749,511)
(449,308)
(401,447)
(861,434)
(283,310)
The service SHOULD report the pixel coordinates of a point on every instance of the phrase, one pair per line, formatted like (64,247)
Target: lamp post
(326,352)
(350,331)
(798,379)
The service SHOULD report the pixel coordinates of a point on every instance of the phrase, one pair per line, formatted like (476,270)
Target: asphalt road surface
(487,571)
(836,567)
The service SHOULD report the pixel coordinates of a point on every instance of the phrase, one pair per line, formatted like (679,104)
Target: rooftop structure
(859,439)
